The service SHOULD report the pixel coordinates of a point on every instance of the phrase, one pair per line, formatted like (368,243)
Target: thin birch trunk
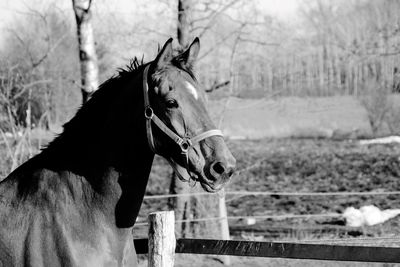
(87,50)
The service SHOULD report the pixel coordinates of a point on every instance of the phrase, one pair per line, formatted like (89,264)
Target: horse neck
(111,154)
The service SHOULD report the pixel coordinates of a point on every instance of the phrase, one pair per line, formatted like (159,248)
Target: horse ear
(188,58)
(164,55)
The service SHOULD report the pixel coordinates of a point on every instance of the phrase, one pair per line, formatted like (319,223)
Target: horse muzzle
(218,173)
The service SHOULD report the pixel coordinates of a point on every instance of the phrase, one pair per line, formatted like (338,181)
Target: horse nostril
(218,167)
(230,172)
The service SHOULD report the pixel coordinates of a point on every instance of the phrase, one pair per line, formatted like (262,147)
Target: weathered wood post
(224,226)
(162,240)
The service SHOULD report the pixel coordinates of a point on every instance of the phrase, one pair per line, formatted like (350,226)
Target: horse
(75,203)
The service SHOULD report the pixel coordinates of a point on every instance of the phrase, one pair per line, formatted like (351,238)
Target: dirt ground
(301,165)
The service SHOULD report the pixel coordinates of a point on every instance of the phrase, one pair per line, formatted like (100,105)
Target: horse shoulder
(44,222)
(27,216)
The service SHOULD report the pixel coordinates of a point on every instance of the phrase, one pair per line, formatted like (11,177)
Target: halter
(184,143)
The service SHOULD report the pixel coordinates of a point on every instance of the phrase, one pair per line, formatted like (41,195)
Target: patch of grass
(337,117)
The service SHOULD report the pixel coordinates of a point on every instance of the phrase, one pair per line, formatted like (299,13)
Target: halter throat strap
(185,143)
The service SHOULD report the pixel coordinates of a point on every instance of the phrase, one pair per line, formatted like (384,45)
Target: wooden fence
(162,245)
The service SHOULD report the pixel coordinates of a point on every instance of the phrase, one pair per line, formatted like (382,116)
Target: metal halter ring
(148,112)
(185,144)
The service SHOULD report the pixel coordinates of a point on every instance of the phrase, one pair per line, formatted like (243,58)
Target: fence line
(162,241)
(256,193)
(274,217)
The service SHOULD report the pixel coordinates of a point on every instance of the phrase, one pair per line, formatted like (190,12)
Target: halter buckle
(148,112)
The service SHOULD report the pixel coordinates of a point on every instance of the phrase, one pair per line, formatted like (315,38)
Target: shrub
(377,103)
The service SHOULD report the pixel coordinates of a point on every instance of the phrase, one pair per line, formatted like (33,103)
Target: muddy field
(299,165)
(302,165)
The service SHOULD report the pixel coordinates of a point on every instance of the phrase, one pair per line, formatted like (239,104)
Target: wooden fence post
(162,240)
(224,225)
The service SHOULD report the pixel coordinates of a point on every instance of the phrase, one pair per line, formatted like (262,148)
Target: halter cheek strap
(184,143)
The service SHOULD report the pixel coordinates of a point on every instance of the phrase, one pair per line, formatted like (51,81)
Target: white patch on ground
(192,90)
(383,140)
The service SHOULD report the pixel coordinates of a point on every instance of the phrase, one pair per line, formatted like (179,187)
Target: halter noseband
(184,143)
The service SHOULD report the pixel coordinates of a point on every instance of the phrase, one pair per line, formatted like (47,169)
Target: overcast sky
(11,10)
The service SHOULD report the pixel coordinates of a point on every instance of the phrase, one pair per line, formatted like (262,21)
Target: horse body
(75,203)
(57,219)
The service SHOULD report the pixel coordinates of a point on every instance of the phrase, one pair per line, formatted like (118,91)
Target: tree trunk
(181,204)
(192,207)
(87,50)
(321,71)
(183,29)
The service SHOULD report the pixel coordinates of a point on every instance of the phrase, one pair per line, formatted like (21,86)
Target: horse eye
(171,103)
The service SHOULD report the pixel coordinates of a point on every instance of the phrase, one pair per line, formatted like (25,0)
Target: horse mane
(94,111)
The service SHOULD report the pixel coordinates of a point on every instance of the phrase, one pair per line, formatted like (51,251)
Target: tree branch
(217,86)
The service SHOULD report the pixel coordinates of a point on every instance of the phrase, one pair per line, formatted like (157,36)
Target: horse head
(179,128)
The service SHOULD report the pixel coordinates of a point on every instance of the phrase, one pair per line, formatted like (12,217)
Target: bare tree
(201,19)
(181,205)
(183,29)
(87,50)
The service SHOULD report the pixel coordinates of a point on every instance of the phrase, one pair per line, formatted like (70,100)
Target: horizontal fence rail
(256,193)
(162,245)
(281,250)
(263,217)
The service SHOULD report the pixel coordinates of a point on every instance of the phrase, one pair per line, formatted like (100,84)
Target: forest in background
(331,48)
